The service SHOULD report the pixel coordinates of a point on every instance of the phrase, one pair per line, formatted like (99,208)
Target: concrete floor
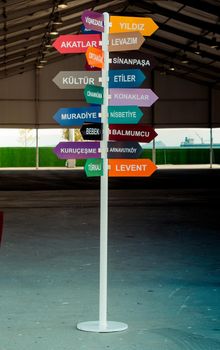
(164,261)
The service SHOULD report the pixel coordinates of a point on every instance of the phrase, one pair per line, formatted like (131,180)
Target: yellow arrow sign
(146,26)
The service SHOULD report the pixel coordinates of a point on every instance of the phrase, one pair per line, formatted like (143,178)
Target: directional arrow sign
(139,132)
(131,97)
(77,150)
(145,25)
(95,57)
(93,20)
(88,67)
(94,94)
(132,59)
(76,80)
(124,149)
(124,114)
(125,41)
(94,167)
(91,131)
(126,78)
(131,167)
(77,116)
(76,43)
(84,30)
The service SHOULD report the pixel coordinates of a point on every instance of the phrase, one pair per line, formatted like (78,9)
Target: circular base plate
(94,326)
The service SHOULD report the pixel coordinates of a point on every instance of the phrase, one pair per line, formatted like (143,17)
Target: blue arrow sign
(126,78)
(77,116)
(84,30)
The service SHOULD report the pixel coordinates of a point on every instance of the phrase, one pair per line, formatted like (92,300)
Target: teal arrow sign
(94,94)
(94,167)
(126,78)
(124,114)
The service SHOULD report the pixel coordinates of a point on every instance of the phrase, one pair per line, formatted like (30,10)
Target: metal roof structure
(187,43)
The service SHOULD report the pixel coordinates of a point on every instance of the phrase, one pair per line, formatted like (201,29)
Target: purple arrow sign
(77,150)
(132,97)
(93,20)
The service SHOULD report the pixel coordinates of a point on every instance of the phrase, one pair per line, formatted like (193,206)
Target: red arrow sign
(129,132)
(76,43)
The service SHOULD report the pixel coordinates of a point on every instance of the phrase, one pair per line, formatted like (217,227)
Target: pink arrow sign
(132,97)
(128,132)
(76,43)
(93,20)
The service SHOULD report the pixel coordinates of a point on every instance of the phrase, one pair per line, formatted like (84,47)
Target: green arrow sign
(94,94)
(124,114)
(94,167)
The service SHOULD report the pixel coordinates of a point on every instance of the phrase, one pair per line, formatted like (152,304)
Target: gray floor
(164,261)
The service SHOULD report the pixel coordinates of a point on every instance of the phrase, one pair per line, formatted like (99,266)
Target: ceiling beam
(70,22)
(20,54)
(211,27)
(202,5)
(43,20)
(169,59)
(23,45)
(190,36)
(10,3)
(27,11)
(176,45)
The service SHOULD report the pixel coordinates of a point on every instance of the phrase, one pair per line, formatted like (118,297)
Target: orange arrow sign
(95,57)
(146,26)
(125,41)
(131,167)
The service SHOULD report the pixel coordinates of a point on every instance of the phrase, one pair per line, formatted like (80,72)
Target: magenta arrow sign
(77,150)
(93,20)
(132,97)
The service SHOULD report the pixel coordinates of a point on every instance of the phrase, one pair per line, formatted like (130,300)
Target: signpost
(125,41)
(145,25)
(91,131)
(124,150)
(76,43)
(95,57)
(124,114)
(77,79)
(132,59)
(128,97)
(93,20)
(138,132)
(94,167)
(69,117)
(77,150)
(131,167)
(84,30)
(94,94)
(126,78)
(88,67)
(118,121)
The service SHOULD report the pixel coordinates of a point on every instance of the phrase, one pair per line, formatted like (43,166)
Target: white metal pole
(37,148)
(154,151)
(104,183)
(211,149)
(102,325)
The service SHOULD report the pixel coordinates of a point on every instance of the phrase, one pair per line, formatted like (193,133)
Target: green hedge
(26,157)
